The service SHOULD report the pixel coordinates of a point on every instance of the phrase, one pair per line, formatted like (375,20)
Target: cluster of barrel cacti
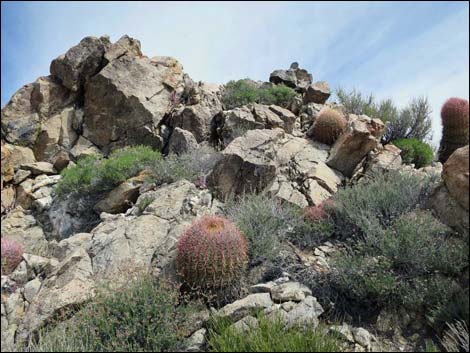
(12,255)
(212,253)
(455,127)
(328,126)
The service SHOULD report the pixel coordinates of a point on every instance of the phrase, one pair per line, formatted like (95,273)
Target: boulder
(38,168)
(56,137)
(446,208)
(6,164)
(20,176)
(30,106)
(84,147)
(21,226)
(150,231)
(289,291)
(21,155)
(121,197)
(286,77)
(318,93)
(287,118)
(248,163)
(126,101)
(362,135)
(455,174)
(80,62)
(296,78)
(181,141)
(8,199)
(240,308)
(193,118)
(70,284)
(124,46)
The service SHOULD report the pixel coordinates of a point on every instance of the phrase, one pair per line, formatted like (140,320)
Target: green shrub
(270,336)
(267,221)
(144,316)
(93,174)
(411,263)
(368,207)
(278,95)
(413,121)
(242,92)
(413,151)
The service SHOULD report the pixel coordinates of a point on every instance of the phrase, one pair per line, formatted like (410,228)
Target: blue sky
(394,50)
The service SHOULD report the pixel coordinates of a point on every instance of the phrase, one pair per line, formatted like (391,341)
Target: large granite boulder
(126,101)
(362,135)
(296,78)
(30,106)
(288,167)
(7,164)
(149,232)
(318,93)
(80,62)
(455,174)
(70,284)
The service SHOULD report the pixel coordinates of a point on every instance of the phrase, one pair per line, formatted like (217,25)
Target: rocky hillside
(109,163)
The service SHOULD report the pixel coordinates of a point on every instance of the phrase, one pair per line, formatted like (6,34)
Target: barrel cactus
(455,127)
(12,254)
(211,253)
(328,126)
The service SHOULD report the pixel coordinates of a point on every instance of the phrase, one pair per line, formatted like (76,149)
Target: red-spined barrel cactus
(12,254)
(211,253)
(455,127)
(317,213)
(328,126)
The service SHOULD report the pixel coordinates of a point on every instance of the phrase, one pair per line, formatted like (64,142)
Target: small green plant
(145,315)
(242,92)
(270,336)
(93,174)
(211,253)
(328,126)
(455,127)
(413,151)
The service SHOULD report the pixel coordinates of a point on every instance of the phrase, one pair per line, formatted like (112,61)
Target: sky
(396,50)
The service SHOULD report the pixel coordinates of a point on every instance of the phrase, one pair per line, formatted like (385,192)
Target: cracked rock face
(126,101)
(148,236)
(289,167)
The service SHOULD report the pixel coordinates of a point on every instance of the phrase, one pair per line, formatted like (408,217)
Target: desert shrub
(414,151)
(242,92)
(12,255)
(280,95)
(411,263)
(263,220)
(211,253)
(267,222)
(146,315)
(456,338)
(455,127)
(311,226)
(93,174)
(413,121)
(370,206)
(455,308)
(328,126)
(191,166)
(270,336)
